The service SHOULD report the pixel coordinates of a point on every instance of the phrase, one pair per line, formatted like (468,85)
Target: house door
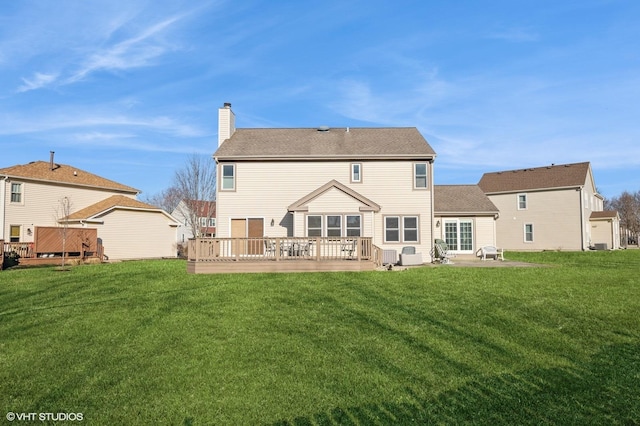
(459,235)
(249,233)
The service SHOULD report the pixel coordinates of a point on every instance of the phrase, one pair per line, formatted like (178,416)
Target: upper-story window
(228,177)
(16,192)
(356,172)
(420,175)
(522,201)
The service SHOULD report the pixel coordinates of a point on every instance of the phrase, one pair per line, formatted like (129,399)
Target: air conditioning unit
(389,257)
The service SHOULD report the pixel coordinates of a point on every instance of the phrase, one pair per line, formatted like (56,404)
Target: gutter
(3,199)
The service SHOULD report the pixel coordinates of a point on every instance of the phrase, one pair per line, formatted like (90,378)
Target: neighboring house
(465,218)
(325,182)
(31,195)
(204,214)
(547,208)
(605,229)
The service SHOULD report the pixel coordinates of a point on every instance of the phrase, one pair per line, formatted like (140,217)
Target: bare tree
(628,207)
(62,213)
(195,183)
(167,199)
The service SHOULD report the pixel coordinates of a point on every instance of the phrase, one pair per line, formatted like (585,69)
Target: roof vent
(323,128)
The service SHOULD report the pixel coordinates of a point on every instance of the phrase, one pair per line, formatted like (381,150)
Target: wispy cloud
(515,35)
(38,81)
(135,52)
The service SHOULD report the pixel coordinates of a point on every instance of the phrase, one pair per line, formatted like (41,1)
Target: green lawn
(145,343)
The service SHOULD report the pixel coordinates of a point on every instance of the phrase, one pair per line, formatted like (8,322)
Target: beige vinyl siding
(555,215)
(134,234)
(40,204)
(485,232)
(334,200)
(266,189)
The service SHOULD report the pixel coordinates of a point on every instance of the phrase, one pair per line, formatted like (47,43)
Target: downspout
(432,210)
(3,195)
(582,227)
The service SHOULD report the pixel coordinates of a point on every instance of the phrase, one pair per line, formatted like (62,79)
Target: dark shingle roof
(461,199)
(311,143)
(560,176)
(606,214)
(62,173)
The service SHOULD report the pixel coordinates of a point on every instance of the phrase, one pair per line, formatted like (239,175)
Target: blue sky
(129,90)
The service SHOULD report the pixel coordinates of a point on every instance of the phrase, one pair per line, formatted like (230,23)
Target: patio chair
(269,248)
(441,252)
(349,247)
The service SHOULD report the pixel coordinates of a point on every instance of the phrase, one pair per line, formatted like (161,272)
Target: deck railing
(22,249)
(283,249)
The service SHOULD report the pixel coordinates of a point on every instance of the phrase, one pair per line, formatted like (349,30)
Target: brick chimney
(226,123)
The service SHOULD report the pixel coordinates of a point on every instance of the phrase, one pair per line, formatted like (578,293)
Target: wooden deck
(246,255)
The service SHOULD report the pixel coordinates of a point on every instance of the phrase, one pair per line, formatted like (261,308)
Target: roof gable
(462,199)
(313,144)
(549,177)
(95,211)
(302,204)
(62,173)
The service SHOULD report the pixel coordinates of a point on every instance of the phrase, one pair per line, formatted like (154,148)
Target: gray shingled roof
(460,199)
(311,143)
(560,176)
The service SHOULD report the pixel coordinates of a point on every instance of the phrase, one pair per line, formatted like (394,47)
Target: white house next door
(458,233)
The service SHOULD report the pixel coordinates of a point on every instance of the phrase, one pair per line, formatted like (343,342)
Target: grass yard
(145,343)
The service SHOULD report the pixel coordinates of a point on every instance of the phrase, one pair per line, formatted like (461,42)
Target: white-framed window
(528,232)
(16,192)
(228,177)
(356,172)
(212,222)
(420,176)
(314,226)
(392,229)
(14,233)
(522,201)
(401,229)
(354,225)
(410,229)
(334,225)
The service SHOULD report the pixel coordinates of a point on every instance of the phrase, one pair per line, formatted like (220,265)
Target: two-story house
(195,215)
(325,182)
(48,194)
(554,207)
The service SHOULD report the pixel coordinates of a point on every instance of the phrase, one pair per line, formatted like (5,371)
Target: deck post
(359,249)
(318,249)
(278,247)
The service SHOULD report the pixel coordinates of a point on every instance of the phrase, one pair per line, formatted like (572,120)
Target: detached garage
(128,228)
